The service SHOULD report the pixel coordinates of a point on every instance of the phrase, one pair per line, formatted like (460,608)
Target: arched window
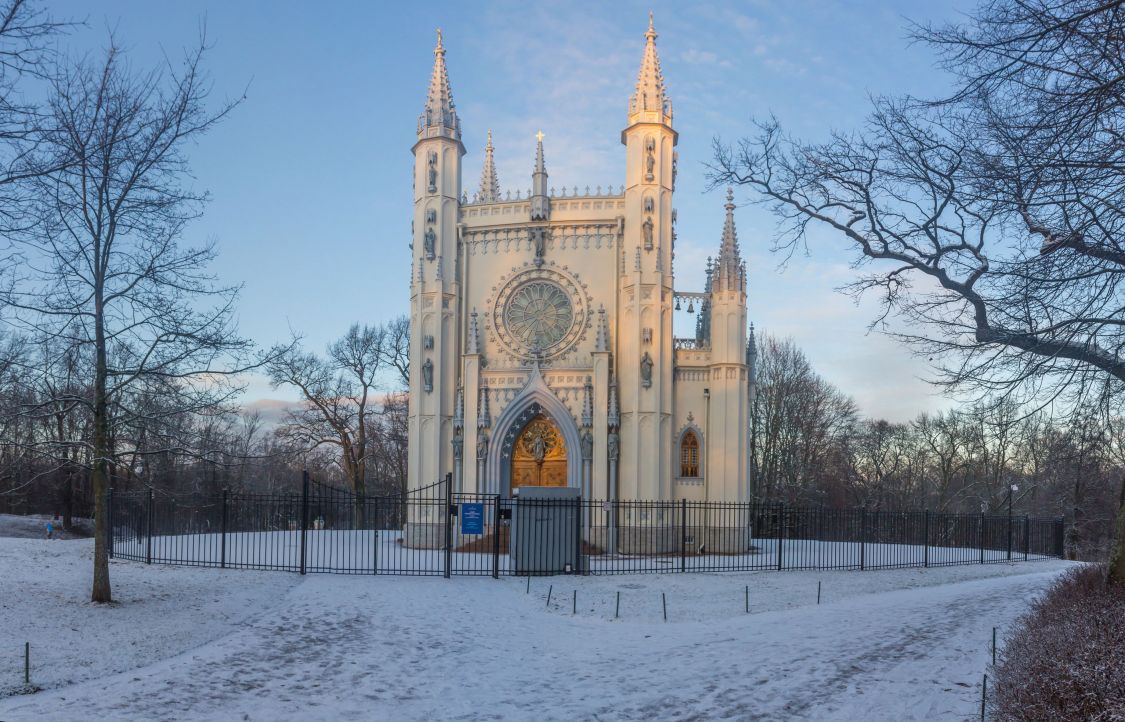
(689,454)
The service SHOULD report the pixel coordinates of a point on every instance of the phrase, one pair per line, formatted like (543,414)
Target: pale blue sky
(310,177)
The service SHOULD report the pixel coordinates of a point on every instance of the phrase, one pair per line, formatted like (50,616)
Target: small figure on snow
(50,530)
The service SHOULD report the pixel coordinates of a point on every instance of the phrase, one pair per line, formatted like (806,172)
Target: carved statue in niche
(429,243)
(482,447)
(539,240)
(650,160)
(646,370)
(431,215)
(675,163)
(458,445)
(428,375)
(648,233)
(433,172)
(587,445)
(648,205)
(613,445)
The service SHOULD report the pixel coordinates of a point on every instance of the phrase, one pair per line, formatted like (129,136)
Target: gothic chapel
(541,350)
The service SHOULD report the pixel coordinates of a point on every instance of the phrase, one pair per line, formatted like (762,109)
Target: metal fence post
(578,535)
(1026,536)
(683,535)
(448,523)
(1009,527)
(496,538)
(304,515)
(780,532)
(109,521)
(980,537)
(926,540)
(149,525)
(223,543)
(375,534)
(863,539)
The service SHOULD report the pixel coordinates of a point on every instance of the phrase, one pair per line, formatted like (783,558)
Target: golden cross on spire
(539,136)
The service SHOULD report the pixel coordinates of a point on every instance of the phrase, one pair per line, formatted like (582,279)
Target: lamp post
(1011,489)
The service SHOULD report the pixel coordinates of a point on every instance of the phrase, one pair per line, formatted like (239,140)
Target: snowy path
(887,645)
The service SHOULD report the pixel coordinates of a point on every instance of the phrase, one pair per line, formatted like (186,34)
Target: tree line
(810,445)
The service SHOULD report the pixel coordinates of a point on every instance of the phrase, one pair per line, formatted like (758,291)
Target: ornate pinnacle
(472,345)
(601,340)
(729,273)
(459,410)
(489,183)
(587,404)
(484,419)
(614,416)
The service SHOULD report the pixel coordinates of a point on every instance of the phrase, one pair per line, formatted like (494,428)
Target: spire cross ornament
(539,136)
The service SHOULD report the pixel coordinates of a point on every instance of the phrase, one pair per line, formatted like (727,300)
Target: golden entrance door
(539,455)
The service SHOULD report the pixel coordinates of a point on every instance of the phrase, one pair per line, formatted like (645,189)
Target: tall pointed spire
(729,273)
(650,94)
(540,203)
(439,113)
(489,184)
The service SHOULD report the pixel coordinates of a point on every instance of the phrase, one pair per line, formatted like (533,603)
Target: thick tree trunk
(99,478)
(1116,573)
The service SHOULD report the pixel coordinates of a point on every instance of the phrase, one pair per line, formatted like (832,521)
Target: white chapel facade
(542,350)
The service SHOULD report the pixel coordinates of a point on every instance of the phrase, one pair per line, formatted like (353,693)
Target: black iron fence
(436,531)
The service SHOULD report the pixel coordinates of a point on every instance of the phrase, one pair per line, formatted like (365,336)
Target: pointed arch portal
(535,413)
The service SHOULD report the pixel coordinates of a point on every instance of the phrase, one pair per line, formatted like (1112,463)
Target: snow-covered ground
(191,643)
(34,526)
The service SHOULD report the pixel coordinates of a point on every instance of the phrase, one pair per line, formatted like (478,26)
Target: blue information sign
(472,518)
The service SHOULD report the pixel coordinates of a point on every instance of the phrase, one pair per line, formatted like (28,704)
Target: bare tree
(990,221)
(102,270)
(341,394)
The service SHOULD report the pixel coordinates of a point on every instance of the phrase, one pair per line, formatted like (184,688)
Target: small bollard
(574,603)
(818,592)
(747,598)
(983,696)
(664,603)
(549,590)
(528,584)
(994,646)
(27,663)
(617,609)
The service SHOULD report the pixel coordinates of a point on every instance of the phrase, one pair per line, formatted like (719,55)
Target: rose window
(538,315)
